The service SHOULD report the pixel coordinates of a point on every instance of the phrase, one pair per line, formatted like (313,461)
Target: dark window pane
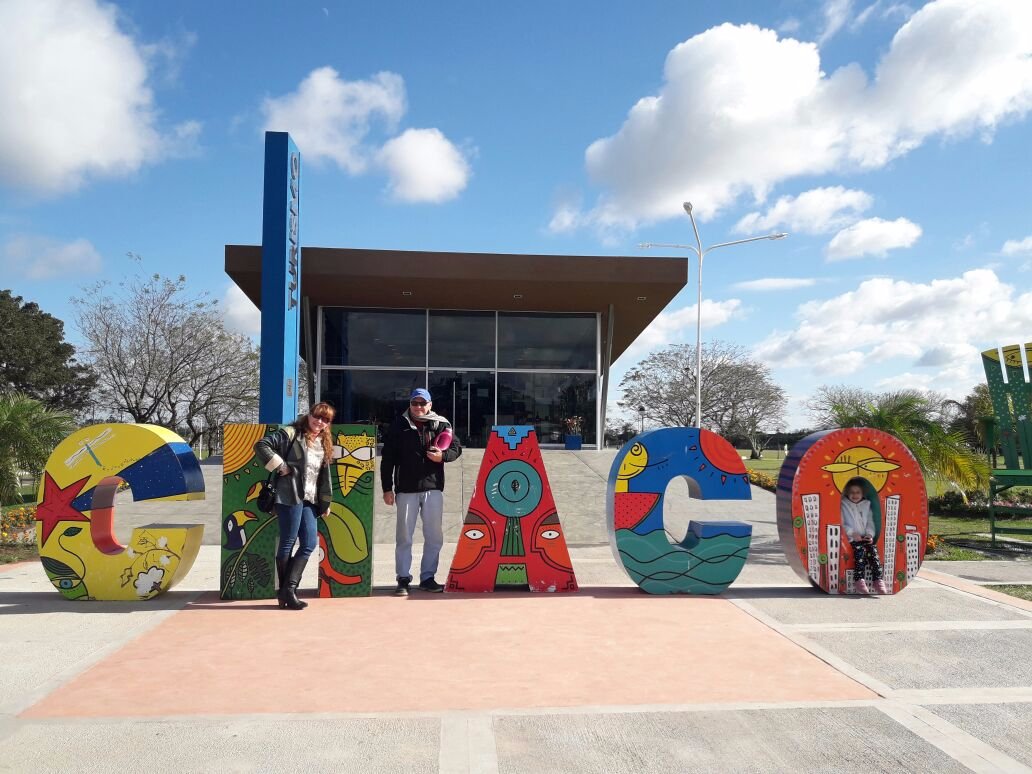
(466,398)
(371,337)
(462,339)
(374,397)
(545,401)
(546,340)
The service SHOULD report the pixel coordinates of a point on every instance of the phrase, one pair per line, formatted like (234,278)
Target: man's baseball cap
(420,393)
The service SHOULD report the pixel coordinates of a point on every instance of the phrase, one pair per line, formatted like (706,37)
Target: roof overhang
(638,288)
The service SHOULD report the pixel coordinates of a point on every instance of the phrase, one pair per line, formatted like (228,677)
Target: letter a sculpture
(512,537)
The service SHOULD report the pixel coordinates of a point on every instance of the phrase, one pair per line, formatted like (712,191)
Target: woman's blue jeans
(297,521)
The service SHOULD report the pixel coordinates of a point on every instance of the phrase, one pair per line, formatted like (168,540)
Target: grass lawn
(967,539)
(1021,592)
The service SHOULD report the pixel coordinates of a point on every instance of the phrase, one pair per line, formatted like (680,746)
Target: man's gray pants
(410,506)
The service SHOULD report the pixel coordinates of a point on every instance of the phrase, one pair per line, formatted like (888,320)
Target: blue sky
(892,140)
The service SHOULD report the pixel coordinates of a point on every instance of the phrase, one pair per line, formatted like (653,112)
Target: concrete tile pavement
(770,676)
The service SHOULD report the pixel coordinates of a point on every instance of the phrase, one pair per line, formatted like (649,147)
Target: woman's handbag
(267,494)
(266,500)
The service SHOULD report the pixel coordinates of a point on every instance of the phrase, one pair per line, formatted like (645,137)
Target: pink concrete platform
(431,653)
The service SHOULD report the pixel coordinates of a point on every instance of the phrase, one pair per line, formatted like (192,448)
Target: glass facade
(546,400)
(482,368)
(461,339)
(390,338)
(540,341)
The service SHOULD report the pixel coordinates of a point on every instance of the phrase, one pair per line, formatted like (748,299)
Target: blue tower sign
(281,280)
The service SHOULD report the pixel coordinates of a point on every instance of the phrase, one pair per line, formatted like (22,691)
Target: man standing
(412,476)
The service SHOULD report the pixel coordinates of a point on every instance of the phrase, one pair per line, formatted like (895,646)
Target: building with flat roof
(498,339)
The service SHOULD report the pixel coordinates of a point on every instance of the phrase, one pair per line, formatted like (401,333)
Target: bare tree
(163,355)
(749,405)
(739,397)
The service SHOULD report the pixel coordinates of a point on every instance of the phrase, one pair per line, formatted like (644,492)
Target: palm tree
(29,431)
(967,413)
(920,420)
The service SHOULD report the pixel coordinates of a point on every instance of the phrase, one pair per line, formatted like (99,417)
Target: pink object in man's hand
(443,440)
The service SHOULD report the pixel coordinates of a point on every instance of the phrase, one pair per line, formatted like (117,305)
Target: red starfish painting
(57,505)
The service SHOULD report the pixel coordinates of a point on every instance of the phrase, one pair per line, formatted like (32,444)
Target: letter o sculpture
(809,503)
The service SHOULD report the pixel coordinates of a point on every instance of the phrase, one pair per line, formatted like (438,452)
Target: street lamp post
(701,253)
(641,420)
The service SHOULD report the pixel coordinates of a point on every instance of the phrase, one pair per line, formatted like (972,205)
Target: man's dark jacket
(404,466)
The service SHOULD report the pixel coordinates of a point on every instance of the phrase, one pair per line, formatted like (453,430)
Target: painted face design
(477,539)
(550,542)
(355,459)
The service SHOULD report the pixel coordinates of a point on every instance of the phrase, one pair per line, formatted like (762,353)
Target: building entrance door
(467,399)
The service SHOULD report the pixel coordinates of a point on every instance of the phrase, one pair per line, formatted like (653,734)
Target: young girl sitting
(859,526)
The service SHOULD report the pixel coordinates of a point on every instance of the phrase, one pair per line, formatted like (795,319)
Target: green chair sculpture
(1011,395)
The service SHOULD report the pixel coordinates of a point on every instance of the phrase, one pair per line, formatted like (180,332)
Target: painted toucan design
(233,526)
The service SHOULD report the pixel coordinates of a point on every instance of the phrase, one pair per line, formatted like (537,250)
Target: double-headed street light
(701,253)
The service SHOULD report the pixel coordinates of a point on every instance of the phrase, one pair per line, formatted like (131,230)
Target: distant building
(497,339)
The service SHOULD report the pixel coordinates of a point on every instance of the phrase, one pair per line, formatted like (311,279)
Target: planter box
(573,442)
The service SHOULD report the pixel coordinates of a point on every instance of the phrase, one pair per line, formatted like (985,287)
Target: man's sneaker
(402,590)
(431,585)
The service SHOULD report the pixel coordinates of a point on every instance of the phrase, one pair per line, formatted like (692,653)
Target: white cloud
(38,257)
(942,325)
(424,166)
(329,118)
(741,110)
(240,313)
(836,13)
(880,9)
(565,218)
(816,211)
(74,98)
(873,236)
(775,283)
(1017,246)
(679,326)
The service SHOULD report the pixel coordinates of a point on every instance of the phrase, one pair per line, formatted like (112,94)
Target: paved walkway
(769,676)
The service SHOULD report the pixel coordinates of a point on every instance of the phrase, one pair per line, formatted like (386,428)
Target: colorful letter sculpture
(75,534)
(712,554)
(250,537)
(810,503)
(511,537)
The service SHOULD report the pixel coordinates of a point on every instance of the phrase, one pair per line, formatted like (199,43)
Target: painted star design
(57,505)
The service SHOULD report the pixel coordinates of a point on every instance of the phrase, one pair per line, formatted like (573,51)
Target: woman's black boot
(288,597)
(281,579)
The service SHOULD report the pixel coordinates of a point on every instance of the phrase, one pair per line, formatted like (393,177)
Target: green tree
(36,360)
(29,431)
(920,420)
(965,414)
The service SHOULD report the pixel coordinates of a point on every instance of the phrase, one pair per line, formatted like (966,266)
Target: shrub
(952,503)
(17,526)
(763,481)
